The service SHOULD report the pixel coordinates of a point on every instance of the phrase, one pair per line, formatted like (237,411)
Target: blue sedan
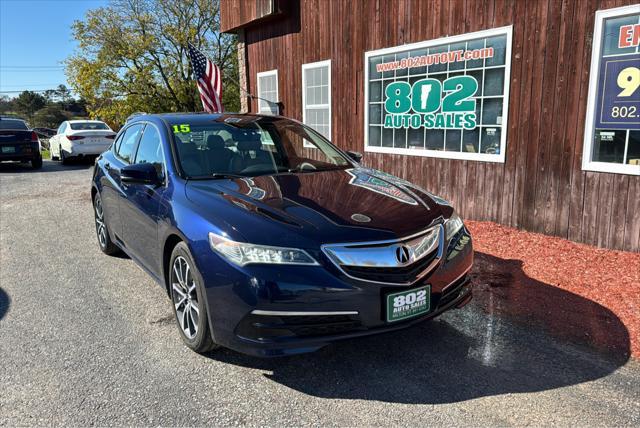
(271,241)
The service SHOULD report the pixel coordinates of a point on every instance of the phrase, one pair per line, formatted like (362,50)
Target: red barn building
(526,113)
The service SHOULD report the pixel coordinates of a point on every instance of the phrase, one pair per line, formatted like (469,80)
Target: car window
(62,127)
(252,146)
(127,145)
(117,141)
(13,124)
(88,126)
(150,149)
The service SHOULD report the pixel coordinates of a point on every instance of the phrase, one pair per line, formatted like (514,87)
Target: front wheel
(104,240)
(188,299)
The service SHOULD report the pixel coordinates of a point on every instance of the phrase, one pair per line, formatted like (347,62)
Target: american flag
(209,80)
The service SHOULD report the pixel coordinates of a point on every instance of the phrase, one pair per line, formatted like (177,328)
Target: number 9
(629,80)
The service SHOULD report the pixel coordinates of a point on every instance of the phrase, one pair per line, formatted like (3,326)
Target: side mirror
(140,173)
(356,156)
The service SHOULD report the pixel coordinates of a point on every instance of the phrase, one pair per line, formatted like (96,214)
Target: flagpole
(255,97)
(191,53)
(249,94)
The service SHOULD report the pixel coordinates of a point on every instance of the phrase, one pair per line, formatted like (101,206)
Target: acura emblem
(402,254)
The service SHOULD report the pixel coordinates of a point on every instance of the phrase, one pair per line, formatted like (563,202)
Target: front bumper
(270,311)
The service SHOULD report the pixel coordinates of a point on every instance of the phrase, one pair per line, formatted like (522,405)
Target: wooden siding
(235,14)
(541,186)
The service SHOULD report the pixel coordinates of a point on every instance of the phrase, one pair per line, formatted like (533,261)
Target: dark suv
(18,142)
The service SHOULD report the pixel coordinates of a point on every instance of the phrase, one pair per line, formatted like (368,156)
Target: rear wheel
(104,240)
(36,163)
(188,299)
(63,158)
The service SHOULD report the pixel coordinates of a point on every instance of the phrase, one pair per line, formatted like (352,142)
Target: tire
(187,291)
(63,158)
(36,163)
(102,233)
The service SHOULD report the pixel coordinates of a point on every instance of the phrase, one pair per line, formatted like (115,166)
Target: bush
(50,116)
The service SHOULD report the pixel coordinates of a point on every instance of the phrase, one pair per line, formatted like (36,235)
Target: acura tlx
(268,239)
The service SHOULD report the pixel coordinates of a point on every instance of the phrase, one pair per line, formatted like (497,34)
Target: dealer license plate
(8,149)
(408,304)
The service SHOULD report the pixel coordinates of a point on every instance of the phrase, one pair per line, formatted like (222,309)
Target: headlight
(241,253)
(453,226)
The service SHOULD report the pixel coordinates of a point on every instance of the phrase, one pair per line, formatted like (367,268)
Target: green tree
(61,94)
(50,116)
(27,103)
(76,107)
(6,104)
(132,56)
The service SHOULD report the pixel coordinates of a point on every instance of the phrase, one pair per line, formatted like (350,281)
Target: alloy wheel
(100,226)
(185,297)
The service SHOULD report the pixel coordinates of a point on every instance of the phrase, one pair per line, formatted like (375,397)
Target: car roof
(200,117)
(84,121)
(4,117)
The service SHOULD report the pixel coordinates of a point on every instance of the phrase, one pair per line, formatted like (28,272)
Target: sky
(35,37)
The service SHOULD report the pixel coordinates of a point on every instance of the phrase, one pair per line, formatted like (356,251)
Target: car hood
(325,206)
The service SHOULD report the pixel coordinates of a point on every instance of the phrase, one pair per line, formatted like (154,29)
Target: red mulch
(574,291)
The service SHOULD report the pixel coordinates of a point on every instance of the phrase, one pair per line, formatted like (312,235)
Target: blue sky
(35,37)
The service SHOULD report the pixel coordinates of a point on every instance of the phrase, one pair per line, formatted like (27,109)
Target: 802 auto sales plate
(408,304)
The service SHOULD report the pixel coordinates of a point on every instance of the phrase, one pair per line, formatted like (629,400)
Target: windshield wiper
(300,170)
(322,169)
(226,175)
(214,176)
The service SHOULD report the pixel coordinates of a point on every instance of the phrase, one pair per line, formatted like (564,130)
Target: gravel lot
(87,339)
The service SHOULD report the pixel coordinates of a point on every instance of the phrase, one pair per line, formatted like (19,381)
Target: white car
(80,138)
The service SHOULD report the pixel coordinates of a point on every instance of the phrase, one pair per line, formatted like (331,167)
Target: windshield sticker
(183,128)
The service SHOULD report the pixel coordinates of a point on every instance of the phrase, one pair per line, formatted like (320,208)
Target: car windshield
(13,124)
(248,146)
(88,126)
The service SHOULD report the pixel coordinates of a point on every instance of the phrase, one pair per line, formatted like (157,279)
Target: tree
(27,103)
(6,104)
(61,94)
(133,56)
(76,107)
(50,117)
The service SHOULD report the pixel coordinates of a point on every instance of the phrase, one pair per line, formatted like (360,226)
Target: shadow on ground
(47,166)
(5,302)
(518,335)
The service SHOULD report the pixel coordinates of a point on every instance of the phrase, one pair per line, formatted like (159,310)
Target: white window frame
(480,157)
(589,129)
(311,65)
(267,74)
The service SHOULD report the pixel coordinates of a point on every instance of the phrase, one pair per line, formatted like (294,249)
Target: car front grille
(323,325)
(394,275)
(381,261)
